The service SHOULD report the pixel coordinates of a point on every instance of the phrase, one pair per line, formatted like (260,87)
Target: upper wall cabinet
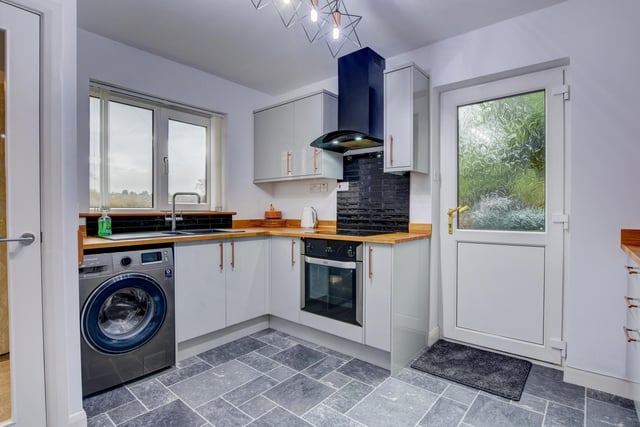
(406,120)
(283,134)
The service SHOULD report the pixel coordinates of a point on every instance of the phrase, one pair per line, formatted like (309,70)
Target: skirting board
(79,419)
(434,335)
(600,382)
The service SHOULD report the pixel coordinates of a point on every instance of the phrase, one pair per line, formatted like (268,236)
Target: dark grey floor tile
(605,414)
(323,367)
(563,416)
(222,414)
(268,350)
(347,397)
(610,398)
(213,383)
(418,379)
(298,357)
(277,340)
(263,333)
(303,341)
(182,374)
(249,390)
(278,417)
(101,420)
(188,361)
(336,380)
(175,413)
(299,393)
(394,403)
(547,383)
(106,401)
(460,394)
(230,351)
(126,412)
(256,361)
(364,372)
(152,394)
(444,413)
(333,353)
(323,416)
(532,403)
(258,406)
(489,412)
(281,373)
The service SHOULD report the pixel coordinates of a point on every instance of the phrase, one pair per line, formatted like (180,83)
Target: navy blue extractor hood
(360,103)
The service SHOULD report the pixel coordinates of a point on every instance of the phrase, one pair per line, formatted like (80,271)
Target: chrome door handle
(26,239)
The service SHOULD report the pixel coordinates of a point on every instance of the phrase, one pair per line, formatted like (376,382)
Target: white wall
(103,59)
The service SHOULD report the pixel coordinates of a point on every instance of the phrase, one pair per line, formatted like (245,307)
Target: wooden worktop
(630,243)
(416,232)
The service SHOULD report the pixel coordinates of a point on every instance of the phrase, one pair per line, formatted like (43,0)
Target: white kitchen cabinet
(200,288)
(246,271)
(219,283)
(406,120)
(377,296)
(285,278)
(632,301)
(283,134)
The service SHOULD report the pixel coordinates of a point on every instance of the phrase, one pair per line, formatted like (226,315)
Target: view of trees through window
(501,163)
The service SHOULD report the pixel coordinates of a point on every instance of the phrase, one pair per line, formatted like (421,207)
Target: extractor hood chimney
(360,103)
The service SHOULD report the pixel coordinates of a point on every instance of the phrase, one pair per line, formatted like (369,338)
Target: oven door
(333,289)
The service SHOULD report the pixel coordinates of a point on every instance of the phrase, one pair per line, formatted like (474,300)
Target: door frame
(556,340)
(59,213)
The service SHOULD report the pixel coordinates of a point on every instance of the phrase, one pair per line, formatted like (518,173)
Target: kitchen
(595,37)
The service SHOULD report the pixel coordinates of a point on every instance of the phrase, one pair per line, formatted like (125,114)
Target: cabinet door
(398,99)
(285,278)
(199,289)
(632,299)
(273,135)
(377,294)
(307,126)
(246,281)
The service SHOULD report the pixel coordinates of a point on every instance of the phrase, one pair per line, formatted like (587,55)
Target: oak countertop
(630,243)
(93,242)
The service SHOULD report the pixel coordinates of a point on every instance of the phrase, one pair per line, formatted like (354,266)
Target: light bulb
(314,15)
(286,1)
(336,33)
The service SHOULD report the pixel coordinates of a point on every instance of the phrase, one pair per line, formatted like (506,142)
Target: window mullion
(161,172)
(105,190)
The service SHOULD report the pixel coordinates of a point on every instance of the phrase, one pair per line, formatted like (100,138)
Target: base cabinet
(632,327)
(285,278)
(377,296)
(218,284)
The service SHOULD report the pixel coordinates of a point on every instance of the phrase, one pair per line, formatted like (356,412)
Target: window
(143,151)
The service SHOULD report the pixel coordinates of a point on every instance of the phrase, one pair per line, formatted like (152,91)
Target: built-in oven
(332,279)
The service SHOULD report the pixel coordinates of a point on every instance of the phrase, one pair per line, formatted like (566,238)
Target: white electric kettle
(309,217)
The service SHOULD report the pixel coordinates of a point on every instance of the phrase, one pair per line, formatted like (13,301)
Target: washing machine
(127,318)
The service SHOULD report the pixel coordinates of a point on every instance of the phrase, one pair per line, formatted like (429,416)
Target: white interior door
(20,140)
(502,189)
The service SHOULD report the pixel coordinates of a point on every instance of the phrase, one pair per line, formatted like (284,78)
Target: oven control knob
(125,261)
(350,252)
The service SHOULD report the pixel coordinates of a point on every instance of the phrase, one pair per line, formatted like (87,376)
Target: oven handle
(330,263)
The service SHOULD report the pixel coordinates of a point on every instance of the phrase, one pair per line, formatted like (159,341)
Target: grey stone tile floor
(274,379)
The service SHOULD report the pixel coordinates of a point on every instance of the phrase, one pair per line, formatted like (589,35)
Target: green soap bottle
(104,225)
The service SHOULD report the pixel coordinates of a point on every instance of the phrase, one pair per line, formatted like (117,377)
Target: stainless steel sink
(207,231)
(156,234)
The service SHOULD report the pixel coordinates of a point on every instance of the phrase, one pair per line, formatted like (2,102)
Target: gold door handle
(631,302)
(233,255)
(628,337)
(370,262)
(315,160)
(221,256)
(293,259)
(391,150)
(452,211)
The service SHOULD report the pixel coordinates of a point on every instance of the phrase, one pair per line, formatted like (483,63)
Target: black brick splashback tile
(129,224)
(375,201)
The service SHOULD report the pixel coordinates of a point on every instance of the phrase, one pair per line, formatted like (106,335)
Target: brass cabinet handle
(293,259)
(315,160)
(631,269)
(391,150)
(631,302)
(233,254)
(221,257)
(626,334)
(370,262)
(288,162)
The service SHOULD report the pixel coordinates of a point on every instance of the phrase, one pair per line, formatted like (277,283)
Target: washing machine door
(123,313)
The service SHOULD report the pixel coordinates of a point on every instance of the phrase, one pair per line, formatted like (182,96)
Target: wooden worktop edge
(156,213)
(630,243)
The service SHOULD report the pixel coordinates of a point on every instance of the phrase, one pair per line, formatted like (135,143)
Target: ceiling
(233,40)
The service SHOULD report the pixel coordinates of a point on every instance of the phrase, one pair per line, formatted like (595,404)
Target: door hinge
(560,218)
(561,90)
(560,345)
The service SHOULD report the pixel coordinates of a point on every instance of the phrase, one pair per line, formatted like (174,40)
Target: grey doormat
(494,373)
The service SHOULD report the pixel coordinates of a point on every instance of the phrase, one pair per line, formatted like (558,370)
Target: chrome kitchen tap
(173,206)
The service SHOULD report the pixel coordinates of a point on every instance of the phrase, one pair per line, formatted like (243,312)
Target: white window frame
(163,111)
